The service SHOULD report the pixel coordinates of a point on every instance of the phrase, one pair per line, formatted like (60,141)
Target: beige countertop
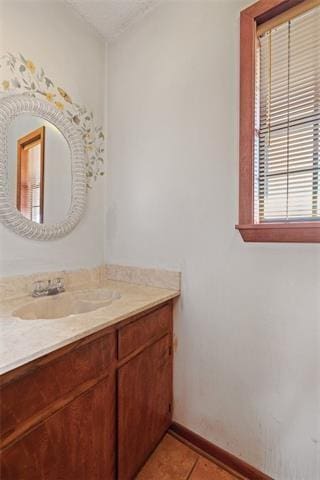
(24,340)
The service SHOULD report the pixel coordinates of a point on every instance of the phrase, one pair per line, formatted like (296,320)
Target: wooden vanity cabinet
(93,410)
(58,415)
(144,405)
(75,443)
(144,388)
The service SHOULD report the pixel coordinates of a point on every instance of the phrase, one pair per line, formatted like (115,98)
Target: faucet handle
(37,287)
(60,284)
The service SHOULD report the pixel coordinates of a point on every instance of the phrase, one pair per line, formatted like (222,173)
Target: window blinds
(30,178)
(287,147)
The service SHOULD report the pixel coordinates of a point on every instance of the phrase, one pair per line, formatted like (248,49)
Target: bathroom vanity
(86,371)
(93,409)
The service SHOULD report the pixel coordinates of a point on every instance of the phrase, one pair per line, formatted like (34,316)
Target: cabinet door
(144,405)
(76,443)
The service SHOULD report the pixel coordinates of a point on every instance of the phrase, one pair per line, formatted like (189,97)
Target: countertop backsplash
(21,285)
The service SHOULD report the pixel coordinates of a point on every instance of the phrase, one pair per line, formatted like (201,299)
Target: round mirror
(42,169)
(39,169)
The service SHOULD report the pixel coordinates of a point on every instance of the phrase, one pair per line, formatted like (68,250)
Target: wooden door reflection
(30,175)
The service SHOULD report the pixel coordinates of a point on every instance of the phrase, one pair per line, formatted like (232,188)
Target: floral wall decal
(21,75)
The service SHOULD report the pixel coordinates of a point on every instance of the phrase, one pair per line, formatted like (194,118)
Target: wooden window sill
(302,232)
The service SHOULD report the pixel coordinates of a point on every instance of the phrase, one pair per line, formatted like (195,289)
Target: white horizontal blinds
(31,181)
(287,159)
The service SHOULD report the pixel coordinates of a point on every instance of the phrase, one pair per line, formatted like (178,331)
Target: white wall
(72,55)
(247,368)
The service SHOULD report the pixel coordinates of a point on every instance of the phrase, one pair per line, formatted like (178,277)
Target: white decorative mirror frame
(10,108)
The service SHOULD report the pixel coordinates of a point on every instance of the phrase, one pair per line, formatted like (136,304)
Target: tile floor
(173,460)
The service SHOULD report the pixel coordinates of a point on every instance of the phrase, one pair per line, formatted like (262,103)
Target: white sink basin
(65,304)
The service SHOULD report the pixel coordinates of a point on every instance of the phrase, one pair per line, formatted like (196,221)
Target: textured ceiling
(112,17)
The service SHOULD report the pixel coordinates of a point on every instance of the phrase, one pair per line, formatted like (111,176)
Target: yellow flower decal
(59,105)
(5,85)
(30,66)
(28,77)
(64,95)
(49,96)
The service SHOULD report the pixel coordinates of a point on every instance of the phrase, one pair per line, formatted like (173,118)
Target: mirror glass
(39,169)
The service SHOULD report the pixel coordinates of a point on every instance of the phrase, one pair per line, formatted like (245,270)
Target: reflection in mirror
(30,173)
(39,169)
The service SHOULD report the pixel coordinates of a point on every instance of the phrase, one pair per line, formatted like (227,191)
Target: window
(30,175)
(279,122)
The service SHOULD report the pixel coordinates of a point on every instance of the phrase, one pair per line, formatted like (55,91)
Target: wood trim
(247,99)
(36,136)
(222,456)
(287,15)
(260,12)
(306,232)
(263,10)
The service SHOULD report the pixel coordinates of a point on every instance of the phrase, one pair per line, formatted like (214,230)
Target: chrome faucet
(49,287)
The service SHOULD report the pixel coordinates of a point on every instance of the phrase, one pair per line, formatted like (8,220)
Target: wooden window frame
(37,135)
(301,232)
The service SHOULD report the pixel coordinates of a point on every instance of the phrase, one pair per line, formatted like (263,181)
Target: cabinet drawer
(49,380)
(138,333)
